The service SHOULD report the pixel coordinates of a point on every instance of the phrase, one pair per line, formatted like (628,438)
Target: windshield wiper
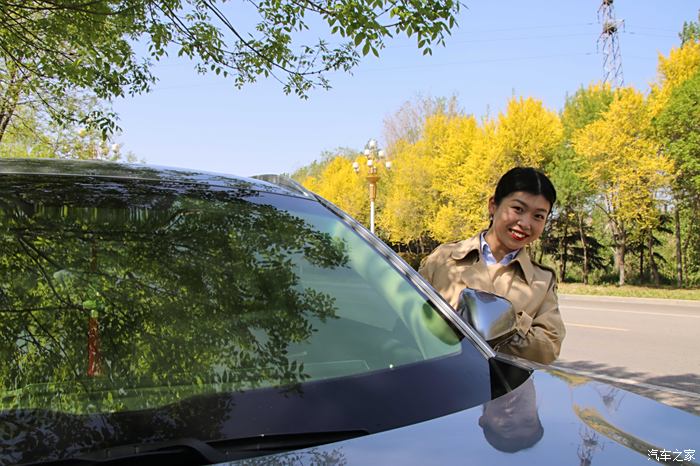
(191,451)
(267,444)
(184,451)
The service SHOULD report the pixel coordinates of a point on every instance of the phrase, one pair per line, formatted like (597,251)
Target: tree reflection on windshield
(157,312)
(117,291)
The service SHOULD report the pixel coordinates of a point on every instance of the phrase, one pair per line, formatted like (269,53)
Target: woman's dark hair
(525,179)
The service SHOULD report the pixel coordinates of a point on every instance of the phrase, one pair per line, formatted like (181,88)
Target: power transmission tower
(610,44)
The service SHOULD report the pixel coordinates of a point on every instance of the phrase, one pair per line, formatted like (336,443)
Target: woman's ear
(492,206)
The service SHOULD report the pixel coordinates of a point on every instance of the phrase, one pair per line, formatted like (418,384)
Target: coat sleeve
(539,338)
(427,267)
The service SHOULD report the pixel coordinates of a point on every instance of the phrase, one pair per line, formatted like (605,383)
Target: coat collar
(468,246)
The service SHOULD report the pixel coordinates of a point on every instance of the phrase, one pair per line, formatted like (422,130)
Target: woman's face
(517,221)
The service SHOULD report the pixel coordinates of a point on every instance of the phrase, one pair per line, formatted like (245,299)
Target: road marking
(629,312)
(636,383)
(569,324)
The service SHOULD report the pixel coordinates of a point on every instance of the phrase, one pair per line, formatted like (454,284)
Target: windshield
(133,297)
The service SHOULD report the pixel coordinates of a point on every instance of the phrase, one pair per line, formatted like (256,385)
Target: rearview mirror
(491,316)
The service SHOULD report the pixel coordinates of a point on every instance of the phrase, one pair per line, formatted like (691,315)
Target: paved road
(651,346)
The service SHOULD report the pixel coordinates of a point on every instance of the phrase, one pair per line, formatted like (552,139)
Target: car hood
(553,418)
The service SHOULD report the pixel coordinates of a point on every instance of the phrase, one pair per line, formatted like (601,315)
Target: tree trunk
(684,251)
(620,251)
(560,251)
(652,262)
(694,207)
(5,117)
(620,237)
(641,264)
(679,256)
(9,101)
(565,256)
(584,247)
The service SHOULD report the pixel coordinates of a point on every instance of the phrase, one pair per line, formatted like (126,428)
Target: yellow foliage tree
(429,195)
(527,134)
(342,186)
(463,183)
(410,202)
(681,64)
(623,161)
(450,141)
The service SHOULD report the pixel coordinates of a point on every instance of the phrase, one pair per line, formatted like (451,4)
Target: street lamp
(374,156)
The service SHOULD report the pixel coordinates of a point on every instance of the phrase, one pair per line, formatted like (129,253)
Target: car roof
(113,170)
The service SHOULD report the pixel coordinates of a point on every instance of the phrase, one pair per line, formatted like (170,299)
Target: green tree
(644,242)
(569,243)
(678,129)
(574,191)
(52,47)
(680,65)
(690,31)
(32,133)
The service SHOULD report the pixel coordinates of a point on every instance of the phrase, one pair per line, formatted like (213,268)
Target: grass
(632,291)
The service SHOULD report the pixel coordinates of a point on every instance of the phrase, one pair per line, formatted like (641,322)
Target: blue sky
(540,49)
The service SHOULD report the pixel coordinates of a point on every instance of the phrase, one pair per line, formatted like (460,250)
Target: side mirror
(491,316)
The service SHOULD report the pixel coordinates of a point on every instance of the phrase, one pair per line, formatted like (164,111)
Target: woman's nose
(524,222)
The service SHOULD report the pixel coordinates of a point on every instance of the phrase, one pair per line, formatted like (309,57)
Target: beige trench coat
(529,286)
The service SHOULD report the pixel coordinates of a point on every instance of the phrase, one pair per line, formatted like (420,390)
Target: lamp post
(374,156)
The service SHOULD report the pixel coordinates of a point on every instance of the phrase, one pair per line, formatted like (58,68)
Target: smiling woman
(495,261)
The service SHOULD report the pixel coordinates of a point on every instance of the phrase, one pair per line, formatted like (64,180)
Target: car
(168,316)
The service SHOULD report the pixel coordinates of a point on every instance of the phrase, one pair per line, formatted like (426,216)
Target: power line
(520,38)
(527,28)
(646,34)
(484,61)
(409,67)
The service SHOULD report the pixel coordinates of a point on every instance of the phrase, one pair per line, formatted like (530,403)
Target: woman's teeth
(517,235)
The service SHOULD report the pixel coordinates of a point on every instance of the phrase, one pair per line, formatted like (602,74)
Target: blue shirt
(488,255)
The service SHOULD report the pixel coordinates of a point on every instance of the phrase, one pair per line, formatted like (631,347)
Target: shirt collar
(488,254)
(467,246)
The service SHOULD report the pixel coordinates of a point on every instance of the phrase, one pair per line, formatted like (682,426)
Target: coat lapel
(521,286)
(471,269)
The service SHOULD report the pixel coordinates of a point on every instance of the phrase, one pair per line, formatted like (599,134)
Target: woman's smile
(518,235)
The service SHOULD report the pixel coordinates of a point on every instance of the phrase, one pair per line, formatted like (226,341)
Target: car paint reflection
(571,432)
